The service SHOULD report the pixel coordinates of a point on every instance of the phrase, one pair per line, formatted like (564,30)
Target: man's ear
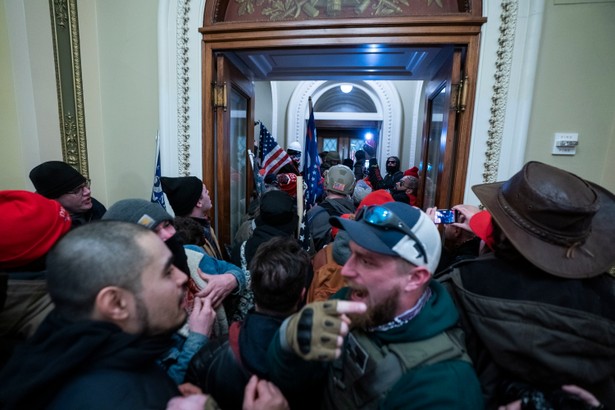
(113,304)
(418,277)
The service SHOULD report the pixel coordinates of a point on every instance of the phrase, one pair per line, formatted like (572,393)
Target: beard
(377,314)
(391,169)
(143,318)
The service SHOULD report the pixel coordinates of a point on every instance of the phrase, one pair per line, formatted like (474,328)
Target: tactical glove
(312,332)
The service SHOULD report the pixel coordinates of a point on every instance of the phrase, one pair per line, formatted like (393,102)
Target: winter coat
(86,365)
(450,384)
(525,325)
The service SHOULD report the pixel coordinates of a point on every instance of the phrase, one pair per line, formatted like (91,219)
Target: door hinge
(218,96)
(460,96)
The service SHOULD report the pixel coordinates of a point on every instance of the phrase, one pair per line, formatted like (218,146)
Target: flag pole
(299,202)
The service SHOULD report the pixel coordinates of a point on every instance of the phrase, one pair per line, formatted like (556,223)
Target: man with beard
(392,177)
(61,182)
(405,350)
(118,298)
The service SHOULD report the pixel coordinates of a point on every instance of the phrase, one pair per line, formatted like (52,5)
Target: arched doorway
(387,113)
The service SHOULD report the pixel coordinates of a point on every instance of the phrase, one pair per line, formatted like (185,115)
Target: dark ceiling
(358,62)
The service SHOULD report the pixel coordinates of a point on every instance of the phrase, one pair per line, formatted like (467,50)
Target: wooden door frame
(455,30)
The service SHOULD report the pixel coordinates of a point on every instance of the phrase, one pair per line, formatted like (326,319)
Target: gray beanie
(139,211)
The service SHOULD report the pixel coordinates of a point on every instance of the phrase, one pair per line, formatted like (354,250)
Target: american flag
(271,156)
(313,184)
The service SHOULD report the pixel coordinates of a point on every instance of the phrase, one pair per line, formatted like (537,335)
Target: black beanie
(139,211)
(183,193)
(53,179)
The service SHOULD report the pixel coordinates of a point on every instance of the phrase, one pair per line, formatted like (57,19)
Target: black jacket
(524,325)
(86,364)
(93,214)
(223,369)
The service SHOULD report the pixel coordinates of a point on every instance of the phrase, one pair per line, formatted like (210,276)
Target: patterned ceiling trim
(300,10)
(506,41)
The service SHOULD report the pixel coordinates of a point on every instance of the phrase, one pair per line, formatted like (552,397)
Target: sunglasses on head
(384,218)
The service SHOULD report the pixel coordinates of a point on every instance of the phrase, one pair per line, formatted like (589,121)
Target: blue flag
(311,163)
(312,180)
(157,194)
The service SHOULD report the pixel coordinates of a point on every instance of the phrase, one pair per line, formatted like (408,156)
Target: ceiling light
(346,88)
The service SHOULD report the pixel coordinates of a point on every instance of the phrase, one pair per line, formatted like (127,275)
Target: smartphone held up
(446,216)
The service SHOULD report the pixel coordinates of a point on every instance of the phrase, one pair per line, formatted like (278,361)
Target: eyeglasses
(80,188)
(382,217)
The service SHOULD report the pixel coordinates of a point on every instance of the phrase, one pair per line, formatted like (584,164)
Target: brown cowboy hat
(561,223)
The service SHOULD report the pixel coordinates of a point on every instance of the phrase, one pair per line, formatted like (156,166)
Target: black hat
(277,209)
(183,193)
(53,179)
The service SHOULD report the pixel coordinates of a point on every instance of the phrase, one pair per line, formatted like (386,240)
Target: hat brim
(363,235)
(593,258)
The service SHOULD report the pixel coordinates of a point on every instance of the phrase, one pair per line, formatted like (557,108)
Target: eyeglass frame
(392,221)
(401,184)
(80,188)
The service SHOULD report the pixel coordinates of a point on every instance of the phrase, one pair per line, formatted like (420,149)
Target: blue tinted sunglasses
(384,218)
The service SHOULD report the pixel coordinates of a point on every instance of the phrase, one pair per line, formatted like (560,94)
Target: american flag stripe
(275,160)
(272,157)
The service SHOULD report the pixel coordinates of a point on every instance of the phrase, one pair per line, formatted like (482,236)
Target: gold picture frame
(67,59)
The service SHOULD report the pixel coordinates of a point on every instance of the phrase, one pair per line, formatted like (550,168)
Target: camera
(446,216)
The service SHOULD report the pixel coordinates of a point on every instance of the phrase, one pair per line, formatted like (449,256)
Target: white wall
(575,91)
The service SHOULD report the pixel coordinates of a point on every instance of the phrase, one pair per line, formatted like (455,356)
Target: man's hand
(466,212)
(203,316)
(193,402)
(263,395)
(317,331)
(188,389)
(218,287)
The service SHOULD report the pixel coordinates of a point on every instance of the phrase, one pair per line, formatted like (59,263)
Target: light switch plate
(565,143)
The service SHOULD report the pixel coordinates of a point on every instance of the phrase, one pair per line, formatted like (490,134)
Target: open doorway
(279,51)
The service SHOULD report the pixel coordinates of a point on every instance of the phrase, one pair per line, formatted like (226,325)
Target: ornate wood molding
(67,59)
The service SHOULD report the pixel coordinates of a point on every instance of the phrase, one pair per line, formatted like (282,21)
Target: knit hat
(395,229)
(480,223)
(53,179)
(378,197)
(139,211)
(183,193)
(413,172)
(277,208)
(31,225)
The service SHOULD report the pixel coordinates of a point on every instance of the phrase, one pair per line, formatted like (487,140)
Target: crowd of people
(511,306)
